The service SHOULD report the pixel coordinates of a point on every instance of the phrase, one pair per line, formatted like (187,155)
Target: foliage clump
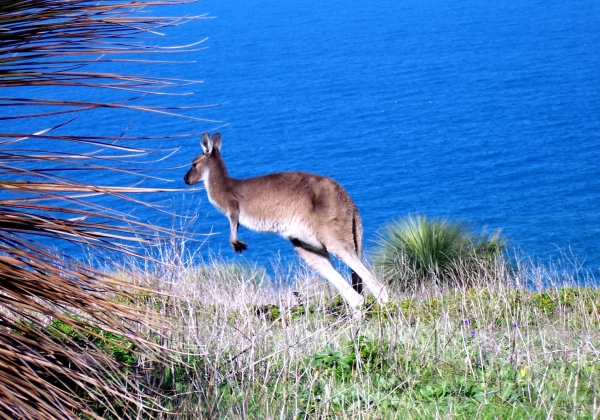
(416,250)
(49,169)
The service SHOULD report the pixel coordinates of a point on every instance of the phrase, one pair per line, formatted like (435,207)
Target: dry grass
(257,348)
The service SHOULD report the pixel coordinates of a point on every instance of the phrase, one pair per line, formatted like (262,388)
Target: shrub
(414,249)
(49,203)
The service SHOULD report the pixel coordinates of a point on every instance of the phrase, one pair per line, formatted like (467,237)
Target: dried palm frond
(62,320)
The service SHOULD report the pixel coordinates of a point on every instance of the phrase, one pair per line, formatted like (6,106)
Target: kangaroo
(314,212)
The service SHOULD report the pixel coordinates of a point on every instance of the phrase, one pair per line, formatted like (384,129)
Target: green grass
(414,250)
(243,346)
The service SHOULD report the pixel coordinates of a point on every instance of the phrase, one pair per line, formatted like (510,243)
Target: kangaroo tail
(357,233)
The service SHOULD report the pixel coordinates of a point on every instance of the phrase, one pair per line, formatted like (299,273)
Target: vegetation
(414,251)
(253,348)
(49,76)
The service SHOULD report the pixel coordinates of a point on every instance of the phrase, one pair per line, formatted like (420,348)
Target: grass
(413,250)
(249,347)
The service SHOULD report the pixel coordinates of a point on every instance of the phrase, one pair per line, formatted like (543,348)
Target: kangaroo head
(209,146)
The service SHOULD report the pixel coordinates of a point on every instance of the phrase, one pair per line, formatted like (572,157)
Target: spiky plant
(414,249)
(58,315)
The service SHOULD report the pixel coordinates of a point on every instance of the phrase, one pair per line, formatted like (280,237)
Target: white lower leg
(376,288)
(322,265)
(354,299)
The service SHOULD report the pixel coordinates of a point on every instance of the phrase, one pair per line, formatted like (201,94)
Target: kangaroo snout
(188,179)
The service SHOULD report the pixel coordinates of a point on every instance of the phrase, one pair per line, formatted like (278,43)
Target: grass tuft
(415,250)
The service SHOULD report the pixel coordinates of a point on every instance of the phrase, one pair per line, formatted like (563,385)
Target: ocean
(487,113)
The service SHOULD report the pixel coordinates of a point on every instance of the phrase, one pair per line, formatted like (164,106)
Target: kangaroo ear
(207,144)
(216,138)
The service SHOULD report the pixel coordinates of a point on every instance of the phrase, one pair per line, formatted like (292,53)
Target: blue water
(487,113)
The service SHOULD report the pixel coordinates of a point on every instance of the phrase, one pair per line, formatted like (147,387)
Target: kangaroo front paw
(239,246)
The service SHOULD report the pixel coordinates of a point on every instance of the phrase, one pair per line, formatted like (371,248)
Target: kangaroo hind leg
(321,263)
(357,235)
(353,261)
(357,283)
